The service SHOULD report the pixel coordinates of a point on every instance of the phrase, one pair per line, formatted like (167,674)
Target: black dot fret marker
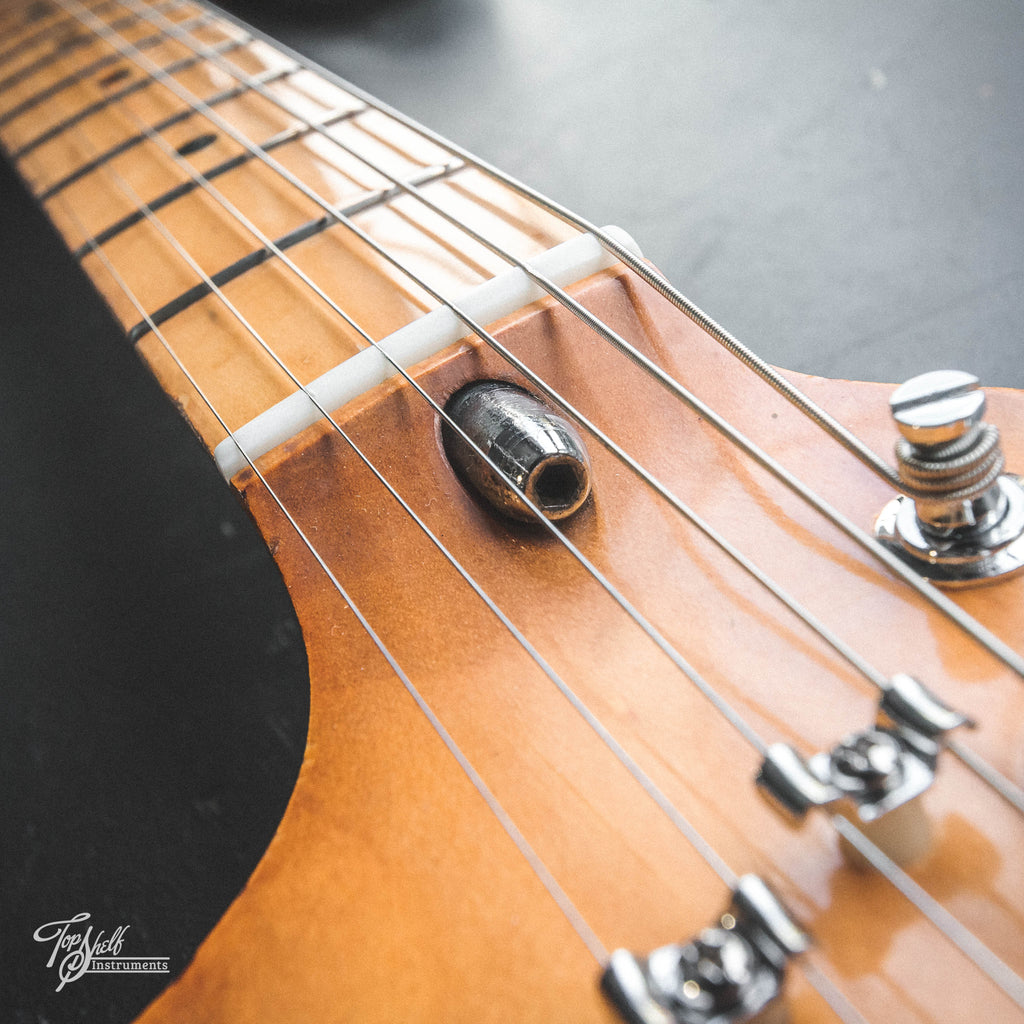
(78,76)
(136,140)
(186,187)
(118,75)
(94,108)
(62,48)
(38,11)
(195,145)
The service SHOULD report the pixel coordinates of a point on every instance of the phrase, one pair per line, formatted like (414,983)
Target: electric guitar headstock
(631,698)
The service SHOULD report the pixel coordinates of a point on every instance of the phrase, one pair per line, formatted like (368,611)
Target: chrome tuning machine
(732,972)
(881,769)
(961,518)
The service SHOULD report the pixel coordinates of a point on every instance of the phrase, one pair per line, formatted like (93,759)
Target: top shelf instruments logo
(75,951)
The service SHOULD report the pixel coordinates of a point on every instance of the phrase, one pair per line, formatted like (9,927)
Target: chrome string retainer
(879,770)
(961,521)
(732,972)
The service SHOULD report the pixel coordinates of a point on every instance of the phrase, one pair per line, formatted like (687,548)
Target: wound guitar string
(150,214)
(949,608)
(1010,792)
(1007,789)
(818,979)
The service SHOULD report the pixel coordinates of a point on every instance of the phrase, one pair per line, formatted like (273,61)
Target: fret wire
(260,256)
(863,842)
(825,987)
(997,647)
(90,69)
(569,910)
(201,54)
(705,688)
(963,938)
(41,33)
(184,188)
(59,52)
(650,276)
(123,147)
(696,840)
(815,977)
(41,62)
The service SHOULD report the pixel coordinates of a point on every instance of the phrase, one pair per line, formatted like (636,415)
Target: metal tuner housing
(961,519)
(531,450)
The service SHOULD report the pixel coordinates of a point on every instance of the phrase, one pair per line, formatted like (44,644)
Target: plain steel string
(1003,786)
(637,265)
(1006,789)
(684,826)
(983,958)
(43,35)
(572,914)
(836,1000)
(146,65)
(473,327)
(827,989)
(936,598)
(969,944)
(722,707)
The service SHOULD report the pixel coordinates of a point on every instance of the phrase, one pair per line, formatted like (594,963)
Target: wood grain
(391,890)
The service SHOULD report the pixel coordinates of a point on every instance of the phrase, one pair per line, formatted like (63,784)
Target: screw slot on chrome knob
(960,520)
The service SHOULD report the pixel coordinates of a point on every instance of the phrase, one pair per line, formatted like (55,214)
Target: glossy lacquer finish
(392,891)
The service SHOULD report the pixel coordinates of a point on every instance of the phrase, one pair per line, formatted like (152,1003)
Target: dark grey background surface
(839,184)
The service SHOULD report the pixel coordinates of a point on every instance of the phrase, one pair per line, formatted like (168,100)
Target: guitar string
(638,266)
(36,99)
(561,899)
(1010,792)
(724,872)
(1011,658)
(817,978)
(833,996)
(40,63)
(666,648)
(41,34)
(979,964)
(1005,977)
(976,950)
(1003,786)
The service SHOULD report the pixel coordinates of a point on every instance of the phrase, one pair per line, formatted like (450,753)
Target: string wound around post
(731,972)
(881,769)
(961,520)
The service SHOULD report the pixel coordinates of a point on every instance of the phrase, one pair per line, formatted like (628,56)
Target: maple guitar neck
(392,888)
